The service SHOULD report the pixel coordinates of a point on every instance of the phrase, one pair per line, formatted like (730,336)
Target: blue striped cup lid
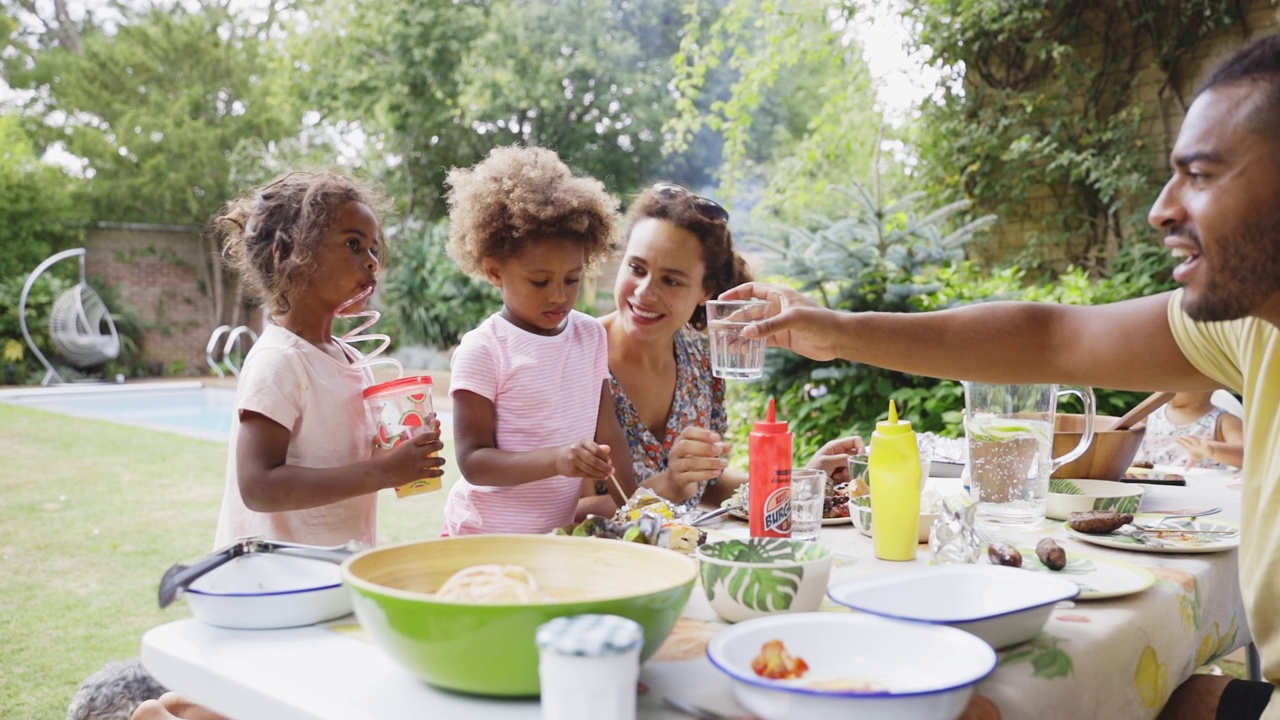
(589,635)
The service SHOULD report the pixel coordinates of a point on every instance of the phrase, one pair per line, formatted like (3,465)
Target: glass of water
(733,356)
(808,490)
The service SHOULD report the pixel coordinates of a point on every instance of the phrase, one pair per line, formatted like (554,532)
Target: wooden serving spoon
(1142,410)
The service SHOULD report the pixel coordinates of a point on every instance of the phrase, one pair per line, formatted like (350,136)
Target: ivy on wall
(1039,117)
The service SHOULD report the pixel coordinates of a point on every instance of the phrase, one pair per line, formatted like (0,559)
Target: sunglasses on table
(709,209)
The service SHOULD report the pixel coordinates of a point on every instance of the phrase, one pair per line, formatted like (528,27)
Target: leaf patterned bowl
(745,579)
(1068,496)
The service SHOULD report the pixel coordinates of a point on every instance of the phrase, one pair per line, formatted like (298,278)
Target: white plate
(1002,605)
(945,468)
(1098,578)
(1091,495)
(1167,544)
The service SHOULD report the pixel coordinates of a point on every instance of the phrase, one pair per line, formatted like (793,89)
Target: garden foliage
(1038,115)
(429,300)
(897,257)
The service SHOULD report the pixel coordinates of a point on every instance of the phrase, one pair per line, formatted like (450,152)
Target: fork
(1182,516)
(700,713)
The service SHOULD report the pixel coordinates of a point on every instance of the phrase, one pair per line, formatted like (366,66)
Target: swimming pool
(187,408)
(184,407)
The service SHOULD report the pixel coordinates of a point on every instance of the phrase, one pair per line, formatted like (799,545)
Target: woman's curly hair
(725,268)
(517,196)
(271,233)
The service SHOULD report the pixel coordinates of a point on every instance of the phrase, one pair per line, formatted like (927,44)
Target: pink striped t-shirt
(545,392)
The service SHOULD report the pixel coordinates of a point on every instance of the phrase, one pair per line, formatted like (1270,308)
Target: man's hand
(794,321)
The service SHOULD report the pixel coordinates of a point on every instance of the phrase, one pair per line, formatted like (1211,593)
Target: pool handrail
(230,344)
(213,345)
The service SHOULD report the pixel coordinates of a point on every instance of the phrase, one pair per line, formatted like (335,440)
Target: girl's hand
(414,459)
(1197,448)
(584,459)
(833,458)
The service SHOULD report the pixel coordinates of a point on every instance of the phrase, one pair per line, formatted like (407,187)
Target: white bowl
(925,672)
(860,511)
(1002,605)
(1085,495)
(744,579)
(262,590)
(945,468)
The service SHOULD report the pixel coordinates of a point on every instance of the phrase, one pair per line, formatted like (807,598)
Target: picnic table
(1117,657)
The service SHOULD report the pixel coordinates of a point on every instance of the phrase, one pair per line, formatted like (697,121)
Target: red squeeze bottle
(769,447)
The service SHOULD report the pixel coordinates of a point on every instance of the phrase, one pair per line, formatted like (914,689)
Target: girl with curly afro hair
(533,416)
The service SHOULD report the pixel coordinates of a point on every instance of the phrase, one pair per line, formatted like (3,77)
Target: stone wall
(1162,107)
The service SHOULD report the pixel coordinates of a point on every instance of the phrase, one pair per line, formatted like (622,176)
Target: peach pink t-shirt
(545,391)
(318,398)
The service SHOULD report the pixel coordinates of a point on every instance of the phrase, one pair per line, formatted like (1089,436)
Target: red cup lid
(417,383)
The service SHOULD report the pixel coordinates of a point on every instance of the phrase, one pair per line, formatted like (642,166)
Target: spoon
(1142,410)
(712,514)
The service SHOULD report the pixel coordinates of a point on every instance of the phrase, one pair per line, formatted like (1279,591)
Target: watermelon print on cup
(399,408)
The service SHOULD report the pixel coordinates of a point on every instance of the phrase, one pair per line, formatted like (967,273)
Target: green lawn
(91,515)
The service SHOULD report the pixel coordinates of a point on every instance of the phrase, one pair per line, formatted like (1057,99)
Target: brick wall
(160,270)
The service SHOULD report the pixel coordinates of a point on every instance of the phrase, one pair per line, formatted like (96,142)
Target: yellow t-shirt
(1244,355)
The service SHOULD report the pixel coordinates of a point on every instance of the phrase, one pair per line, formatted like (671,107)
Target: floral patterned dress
(1160,444)
(698,401)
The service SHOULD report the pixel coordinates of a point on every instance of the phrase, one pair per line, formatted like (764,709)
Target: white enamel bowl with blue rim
(744,579)
(1002,605)
(262,590)
(859,666)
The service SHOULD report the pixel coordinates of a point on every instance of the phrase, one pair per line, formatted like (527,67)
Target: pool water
(186,408)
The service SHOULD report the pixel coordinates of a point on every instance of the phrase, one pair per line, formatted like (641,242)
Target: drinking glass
(808,490)
(858,474)
(733,356)
(1010,434)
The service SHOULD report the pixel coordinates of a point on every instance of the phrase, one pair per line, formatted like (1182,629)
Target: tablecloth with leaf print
(1112,658)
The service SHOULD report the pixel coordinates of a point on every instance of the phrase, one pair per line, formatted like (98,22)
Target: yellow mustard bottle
(894,467)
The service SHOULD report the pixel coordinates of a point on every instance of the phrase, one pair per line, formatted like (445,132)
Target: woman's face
(659,284)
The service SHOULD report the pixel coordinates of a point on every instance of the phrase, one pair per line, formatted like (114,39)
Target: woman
(679,254)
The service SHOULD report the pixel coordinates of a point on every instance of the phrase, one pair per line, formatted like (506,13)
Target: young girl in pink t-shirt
(532,411)
(301,465)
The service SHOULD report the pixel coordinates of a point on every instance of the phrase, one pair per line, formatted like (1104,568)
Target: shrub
(428,300)
(892,260)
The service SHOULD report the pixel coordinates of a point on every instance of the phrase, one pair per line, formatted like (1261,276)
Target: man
(1221,329)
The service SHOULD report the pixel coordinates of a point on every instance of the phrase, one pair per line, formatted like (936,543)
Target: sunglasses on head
(709,209)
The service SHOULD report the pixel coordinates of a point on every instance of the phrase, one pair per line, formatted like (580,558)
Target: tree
(157,106)
(438,83)
(799,116)
(37,215)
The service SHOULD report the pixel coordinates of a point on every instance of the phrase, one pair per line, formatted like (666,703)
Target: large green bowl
(489,649)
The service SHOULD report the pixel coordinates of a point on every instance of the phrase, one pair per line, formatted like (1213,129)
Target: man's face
(1220,210)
